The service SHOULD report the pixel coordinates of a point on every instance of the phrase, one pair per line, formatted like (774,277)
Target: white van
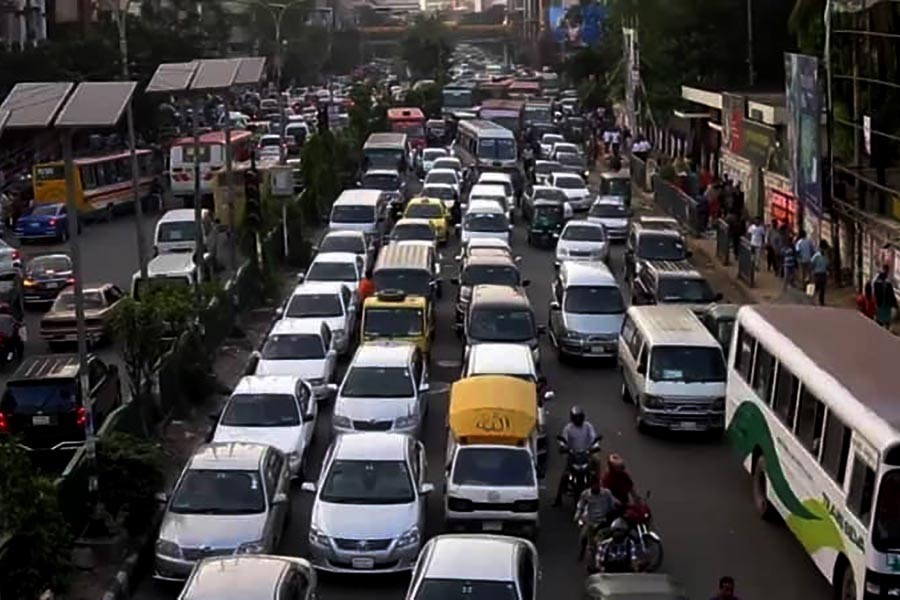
(485,219)
(359,210)
(494,192)
(673,369)
(175,270)
(175,232)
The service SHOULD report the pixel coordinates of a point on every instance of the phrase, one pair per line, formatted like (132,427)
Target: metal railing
(679,206)
(638,173)
(723,242)
(746,263)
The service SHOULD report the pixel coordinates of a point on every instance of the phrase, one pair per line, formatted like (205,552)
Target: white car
(547,141)
(302,348)
(445,176)
(333,303)
(610,212)
(429,155)
(346,241)
(418,231)
(384,389)
(564,148)
(345,267)
(494,193)
(485,219)
(448,162)
(582,240)
(369,510)
(445,192)
(276,410)
(504,180)
(573,187)
(543,169)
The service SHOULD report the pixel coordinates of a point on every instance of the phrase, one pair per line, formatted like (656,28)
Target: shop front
(779,201)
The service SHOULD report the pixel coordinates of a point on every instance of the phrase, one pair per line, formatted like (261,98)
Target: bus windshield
(458,98)
(414,129)
(383,158)
(508,122)
(497,149)
(886,529)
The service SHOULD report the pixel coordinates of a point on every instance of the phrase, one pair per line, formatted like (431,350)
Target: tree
(427,48)
(428,98)
(36,556)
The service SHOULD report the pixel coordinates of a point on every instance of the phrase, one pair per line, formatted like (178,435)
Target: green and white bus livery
(812,407)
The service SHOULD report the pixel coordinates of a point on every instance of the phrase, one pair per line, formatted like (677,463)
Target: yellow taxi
(395,316)
(435,211)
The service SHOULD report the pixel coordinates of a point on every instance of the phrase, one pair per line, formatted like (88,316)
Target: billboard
(804,103)
(577,25)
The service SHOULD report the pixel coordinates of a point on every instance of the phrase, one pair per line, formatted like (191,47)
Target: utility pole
(751,72)
(198,209)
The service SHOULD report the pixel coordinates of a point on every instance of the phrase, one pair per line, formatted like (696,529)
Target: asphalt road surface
(700,494)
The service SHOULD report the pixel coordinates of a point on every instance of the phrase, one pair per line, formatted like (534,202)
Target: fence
(746,263)
(723,243)
(679,206)
(638,173)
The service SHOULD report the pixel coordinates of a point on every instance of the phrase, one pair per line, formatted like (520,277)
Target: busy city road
(699,493)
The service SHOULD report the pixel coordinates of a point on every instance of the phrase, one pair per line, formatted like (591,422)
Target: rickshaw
(547,220)
(395,316)
(617,184)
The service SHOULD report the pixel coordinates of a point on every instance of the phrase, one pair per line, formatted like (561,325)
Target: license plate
(363,563)
(34,225)
(40,420)
(492,526)
(598,349)
(689,426)
(51,285)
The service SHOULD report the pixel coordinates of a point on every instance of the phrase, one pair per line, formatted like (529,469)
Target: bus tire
(760,485)
(844,584)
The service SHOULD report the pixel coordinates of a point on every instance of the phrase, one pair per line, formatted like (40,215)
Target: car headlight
(341,421)
(407,421)
(572,335)
(410,538)
(167,548)
(653,401)
(317,538)
(718,404)
(257,547)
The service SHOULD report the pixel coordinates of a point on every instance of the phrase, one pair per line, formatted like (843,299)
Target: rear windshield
(494,467)
(415,282)
(48,265)
(314,305)
(436,191)
(490,274)
(685,289)
(448,178)
(176,231)
(342,243)
(687,364)
(550,194)
(394,322)
(660,247)
(293,346)
(424,211)
(594,300)
(501,325)
(547,168)
(352,214)
(608,211)
(487,222)
(466,589)
(261,410)
(385,183)
(412,232)
(331,271)
(39,397)
(569,183)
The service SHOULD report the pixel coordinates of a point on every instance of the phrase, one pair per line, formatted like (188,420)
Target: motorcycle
(580,469)
(649,544)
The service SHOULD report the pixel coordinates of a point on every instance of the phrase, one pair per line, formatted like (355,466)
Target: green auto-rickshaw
(547,220)
(618,185)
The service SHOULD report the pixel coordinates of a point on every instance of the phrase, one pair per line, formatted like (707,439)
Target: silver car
(610,212)
(586,310)
(231,499)
(335,303)
(582,241)
(300,347)
(369,510)
(260,577)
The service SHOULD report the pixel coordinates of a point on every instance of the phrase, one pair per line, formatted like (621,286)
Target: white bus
(486,145)
(812,408)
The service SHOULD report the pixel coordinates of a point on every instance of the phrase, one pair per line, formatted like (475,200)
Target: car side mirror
(454,280)
(332,388)
(517,259)
(426,488)
(280,498)
(309,417)
(511,227)
(301,276)
(424,387)
(718,297)
(161,497)
(555,305)
(279,312)
(315,248)
(688,253)
(331,354)
(308,486)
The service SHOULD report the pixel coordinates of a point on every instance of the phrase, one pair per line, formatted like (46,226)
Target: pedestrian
(366,286)
(885,299)
(714,197)
(805,249)
(773,247)
(737,202)
(789,260)
(726,589)
(819,268)
(757,233)
(735,232)
(865,301)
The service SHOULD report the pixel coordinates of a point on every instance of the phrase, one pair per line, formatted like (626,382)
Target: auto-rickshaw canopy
(493,410)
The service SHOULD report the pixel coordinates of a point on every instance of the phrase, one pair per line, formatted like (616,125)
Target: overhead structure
(251,71)
(34,105)
(215,74)
(172,77)
(96,104)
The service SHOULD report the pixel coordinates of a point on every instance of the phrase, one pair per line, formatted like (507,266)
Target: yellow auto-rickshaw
(394,315)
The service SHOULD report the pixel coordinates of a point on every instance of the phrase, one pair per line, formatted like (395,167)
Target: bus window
(785,401)
(187,153)
(810,416)
(743,359)
(862,486)
(836,448)
(762,374)
(886,532)
(88,179)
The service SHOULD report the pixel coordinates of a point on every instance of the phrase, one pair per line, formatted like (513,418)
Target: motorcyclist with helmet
(618,481)
(619,553)
(579,436)
(596,508)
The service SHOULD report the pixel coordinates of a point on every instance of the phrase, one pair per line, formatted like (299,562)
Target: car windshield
(490,274)
(552,194)
(66,302)
(383,182)
(569,183)
(684,289)
(497,149)
(547,167)
(368,482)
(687,364)
(446,163)
(886,527)
(583,233)
(45,210)
(437,191)
(446,178)
(415,282)
(343,243)
(293,346)
(176,231)
(660,247)
(378,382)
(431,154)
(501,325)
(616,187)
(423,210)
(394,322)
(466,589)
(608,211)
(261,410)
(353,214)
(314,305)
(210,492)
(551,138)
(594,300)
(570,159)
(413,232)
(40,397)
(486,222)
(494,467)
(48,265)
(331,271)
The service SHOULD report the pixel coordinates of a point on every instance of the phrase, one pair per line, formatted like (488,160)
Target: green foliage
(36,557)
(427,47)
(428,98)
(320,160)
(806,22)
(129,470)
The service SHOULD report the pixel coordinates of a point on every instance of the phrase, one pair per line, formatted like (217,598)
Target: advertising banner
(804,128)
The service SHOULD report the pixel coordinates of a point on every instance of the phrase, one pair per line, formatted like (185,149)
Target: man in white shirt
(757,233)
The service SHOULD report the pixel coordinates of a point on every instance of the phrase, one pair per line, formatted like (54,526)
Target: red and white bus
(212,160)
(410,121)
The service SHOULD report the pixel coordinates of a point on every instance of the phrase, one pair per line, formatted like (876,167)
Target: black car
(46,276)
(11,292)
(673,282)
(44,406)
(12,345)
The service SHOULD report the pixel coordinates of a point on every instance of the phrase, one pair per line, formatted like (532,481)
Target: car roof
(512,359)
(302,325)
(171,262)
(497,257)
(255,577)
(371,446)
(609,201)
(336,257)
(451,157)
(675,268)
(319,287)
(487,243)
(671,325)
(472,556)
(177,214)
(426,200)
(412,221)
(584,223)
(391,172)
(267,384)
(439,185)
(383,354)
(566,175)
(485,206)
(488,188)
(444,150)
(575,273)
(441,171)
(500,295)
(356,197)
(229,456)
(495,176)
(345,233)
